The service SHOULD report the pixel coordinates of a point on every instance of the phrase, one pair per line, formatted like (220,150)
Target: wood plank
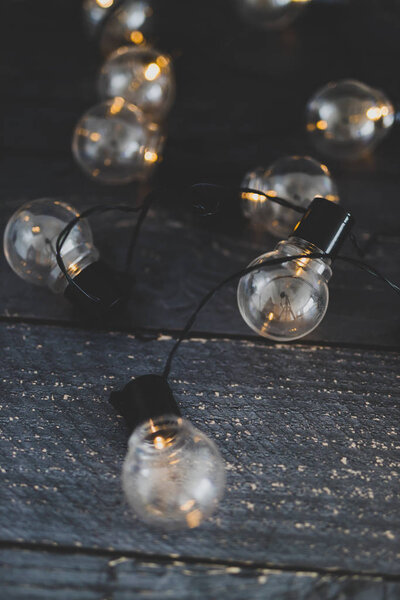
(178,262)
(35,575)
(309,434)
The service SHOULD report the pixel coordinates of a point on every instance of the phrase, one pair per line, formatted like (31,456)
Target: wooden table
(309,431)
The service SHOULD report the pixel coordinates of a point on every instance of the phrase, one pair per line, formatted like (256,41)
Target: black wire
(270,262)
(241,190)
(101,208)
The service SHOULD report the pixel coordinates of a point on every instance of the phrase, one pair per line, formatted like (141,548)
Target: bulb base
(325,225)
(98,281)
(144,398)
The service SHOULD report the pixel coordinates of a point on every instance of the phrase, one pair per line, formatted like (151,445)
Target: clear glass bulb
(271,14)
(298,179)
(346,119)
(173,475)
(143,76)
(30,239)
(95,12)
(130,23)
(115,143)
(285,302)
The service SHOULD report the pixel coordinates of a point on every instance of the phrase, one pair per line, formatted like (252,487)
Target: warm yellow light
(105,3)
(162,61)
(73,269)
(95,136)
(150,156)
(194,518)
(187,506)
(27,218)
(152,71)
(270,316)
(374,113)
(159,442)
(384,111)
(325,169)
(137,37)
(36,229)
(322,125)
(332,197)
(253,197)
(271,193)
(117,105)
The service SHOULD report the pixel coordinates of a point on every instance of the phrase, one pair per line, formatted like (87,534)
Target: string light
(115,143)
(173,475)
(297,179)
(130,23)
(347,118)
(142,76)
(287,301)
(271,14)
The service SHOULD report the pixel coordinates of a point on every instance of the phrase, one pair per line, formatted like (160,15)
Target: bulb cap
(144,398)
(99,281)
(326,225)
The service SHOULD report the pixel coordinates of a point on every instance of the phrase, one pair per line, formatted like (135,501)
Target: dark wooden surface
(309,431)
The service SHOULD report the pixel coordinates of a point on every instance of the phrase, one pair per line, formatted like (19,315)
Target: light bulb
(271,14)
(143,76)
(95,12)
(115,143)
(346,119)
(298,179)
(130,23)
(30,239)
(287,301)
(173,475)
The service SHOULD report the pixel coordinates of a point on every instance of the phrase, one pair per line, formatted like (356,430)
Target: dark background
(309,431)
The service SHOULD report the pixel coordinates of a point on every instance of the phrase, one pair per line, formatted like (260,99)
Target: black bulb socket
(325,225)
(100,290)
(144,398)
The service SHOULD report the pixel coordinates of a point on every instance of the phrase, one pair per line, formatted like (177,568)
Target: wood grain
(309,436)
(35,575)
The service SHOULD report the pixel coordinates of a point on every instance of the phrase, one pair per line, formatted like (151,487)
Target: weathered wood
(309,436)
(178,262)
(40,575)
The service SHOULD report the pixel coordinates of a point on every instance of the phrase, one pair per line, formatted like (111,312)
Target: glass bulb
(173,475)
(115,143)
(30,239)
(298,179)
(271,14)
(347,118)
(285,302)
(143,76)
(130,23)
(95,13)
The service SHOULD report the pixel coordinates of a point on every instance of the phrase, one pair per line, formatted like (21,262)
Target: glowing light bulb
(271,14)
(346,119)
(287,301)
(129,23)
(173,475)
(95,12)
(298,179)
(30,238)
(115,143)
(143,76)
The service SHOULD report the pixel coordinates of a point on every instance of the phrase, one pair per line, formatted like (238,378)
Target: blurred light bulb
(298,179)
(346,119)
(95,13)
(287,301)
(130,23)
(271,14)
(115,143)
(30,239)
(173,475)
(143,76)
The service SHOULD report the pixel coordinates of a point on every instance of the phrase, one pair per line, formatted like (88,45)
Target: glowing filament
(150,156)
(159,442)
(137,37)
(152,72)
(105,3)
(322,125)
(36,229)
(117,105)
